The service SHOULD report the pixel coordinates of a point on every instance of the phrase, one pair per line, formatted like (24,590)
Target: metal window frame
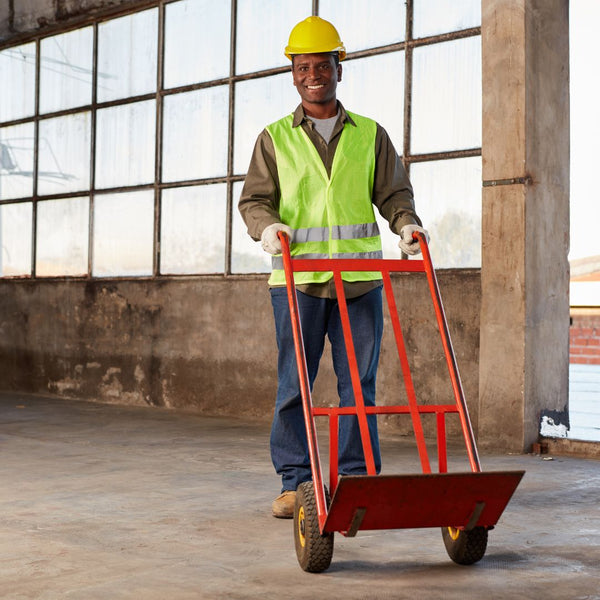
(229,178)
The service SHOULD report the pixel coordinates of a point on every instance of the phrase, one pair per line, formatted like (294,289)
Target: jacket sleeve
(259,201)
(392,191)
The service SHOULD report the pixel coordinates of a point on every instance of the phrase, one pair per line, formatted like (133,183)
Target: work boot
(283,505)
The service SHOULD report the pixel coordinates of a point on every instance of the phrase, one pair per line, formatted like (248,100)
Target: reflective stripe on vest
(330,217)
(338,232)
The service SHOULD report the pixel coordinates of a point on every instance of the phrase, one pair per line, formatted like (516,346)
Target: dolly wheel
(465,547)
(314,551)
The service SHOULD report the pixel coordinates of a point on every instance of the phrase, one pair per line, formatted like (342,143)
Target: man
(316,174)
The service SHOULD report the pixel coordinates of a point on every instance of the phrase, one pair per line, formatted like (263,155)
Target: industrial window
(124,143)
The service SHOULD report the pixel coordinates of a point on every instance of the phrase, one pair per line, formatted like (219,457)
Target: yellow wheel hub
(301,526)
(454,533)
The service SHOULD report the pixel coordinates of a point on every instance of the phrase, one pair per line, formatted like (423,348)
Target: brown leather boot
(283,505)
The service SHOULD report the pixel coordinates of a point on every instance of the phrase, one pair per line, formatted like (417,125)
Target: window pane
(263,29)
(197,35)
(195,134)
(446,102)
(17,82)
(448,200)
(125,142)
(258,103)
(374,87)
(66,70)
(193,229)
(62,237)
(16,161)
(127,50)
(15,239)
(432,17)
(64,154)
(247,256)
(366,24)
(123,234)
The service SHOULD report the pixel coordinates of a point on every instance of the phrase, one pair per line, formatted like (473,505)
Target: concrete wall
(30,16)
(206,344)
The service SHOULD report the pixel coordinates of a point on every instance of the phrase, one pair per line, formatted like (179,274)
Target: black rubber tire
(313,550)
(465,547)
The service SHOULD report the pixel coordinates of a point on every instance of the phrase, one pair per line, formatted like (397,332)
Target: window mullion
(93,115)
(159,140)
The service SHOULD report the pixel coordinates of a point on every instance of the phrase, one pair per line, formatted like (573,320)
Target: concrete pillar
(5,20)
(524,339)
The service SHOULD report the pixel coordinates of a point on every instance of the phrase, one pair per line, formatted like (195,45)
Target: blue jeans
(320,317)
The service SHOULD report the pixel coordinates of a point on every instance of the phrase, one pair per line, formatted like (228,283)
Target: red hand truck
(464,505)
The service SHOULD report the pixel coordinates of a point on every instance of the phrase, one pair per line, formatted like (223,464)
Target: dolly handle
(457,388)
(311,432)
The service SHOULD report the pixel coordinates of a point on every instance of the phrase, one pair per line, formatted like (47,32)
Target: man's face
(316,77)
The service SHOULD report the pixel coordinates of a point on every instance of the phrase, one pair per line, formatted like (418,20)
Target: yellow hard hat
(312,36)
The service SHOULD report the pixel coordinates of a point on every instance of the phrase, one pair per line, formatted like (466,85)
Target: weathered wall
(205,344)
(30,16)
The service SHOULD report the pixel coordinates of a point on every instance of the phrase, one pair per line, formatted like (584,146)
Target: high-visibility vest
(330,217)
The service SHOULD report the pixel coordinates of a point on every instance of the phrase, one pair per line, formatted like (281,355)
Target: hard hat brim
(293,50)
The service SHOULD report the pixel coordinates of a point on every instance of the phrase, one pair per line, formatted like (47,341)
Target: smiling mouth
(315,87)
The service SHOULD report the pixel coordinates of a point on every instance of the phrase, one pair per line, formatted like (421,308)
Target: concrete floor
(110,502)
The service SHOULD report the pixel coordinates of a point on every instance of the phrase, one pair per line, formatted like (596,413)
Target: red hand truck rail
(385,267)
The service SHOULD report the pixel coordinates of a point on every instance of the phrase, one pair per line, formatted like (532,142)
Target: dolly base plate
(463,500)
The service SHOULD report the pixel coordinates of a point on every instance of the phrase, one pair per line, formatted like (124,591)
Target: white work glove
(407,244)
(269,241)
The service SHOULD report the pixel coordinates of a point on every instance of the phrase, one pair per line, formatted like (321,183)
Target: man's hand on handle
(407,244)
(269,241)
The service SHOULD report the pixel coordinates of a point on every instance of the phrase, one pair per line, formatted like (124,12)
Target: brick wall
(585,337)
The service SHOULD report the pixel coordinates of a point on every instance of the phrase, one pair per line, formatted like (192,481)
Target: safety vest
(330,217)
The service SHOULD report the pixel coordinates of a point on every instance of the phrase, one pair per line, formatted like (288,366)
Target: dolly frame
(460,500)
